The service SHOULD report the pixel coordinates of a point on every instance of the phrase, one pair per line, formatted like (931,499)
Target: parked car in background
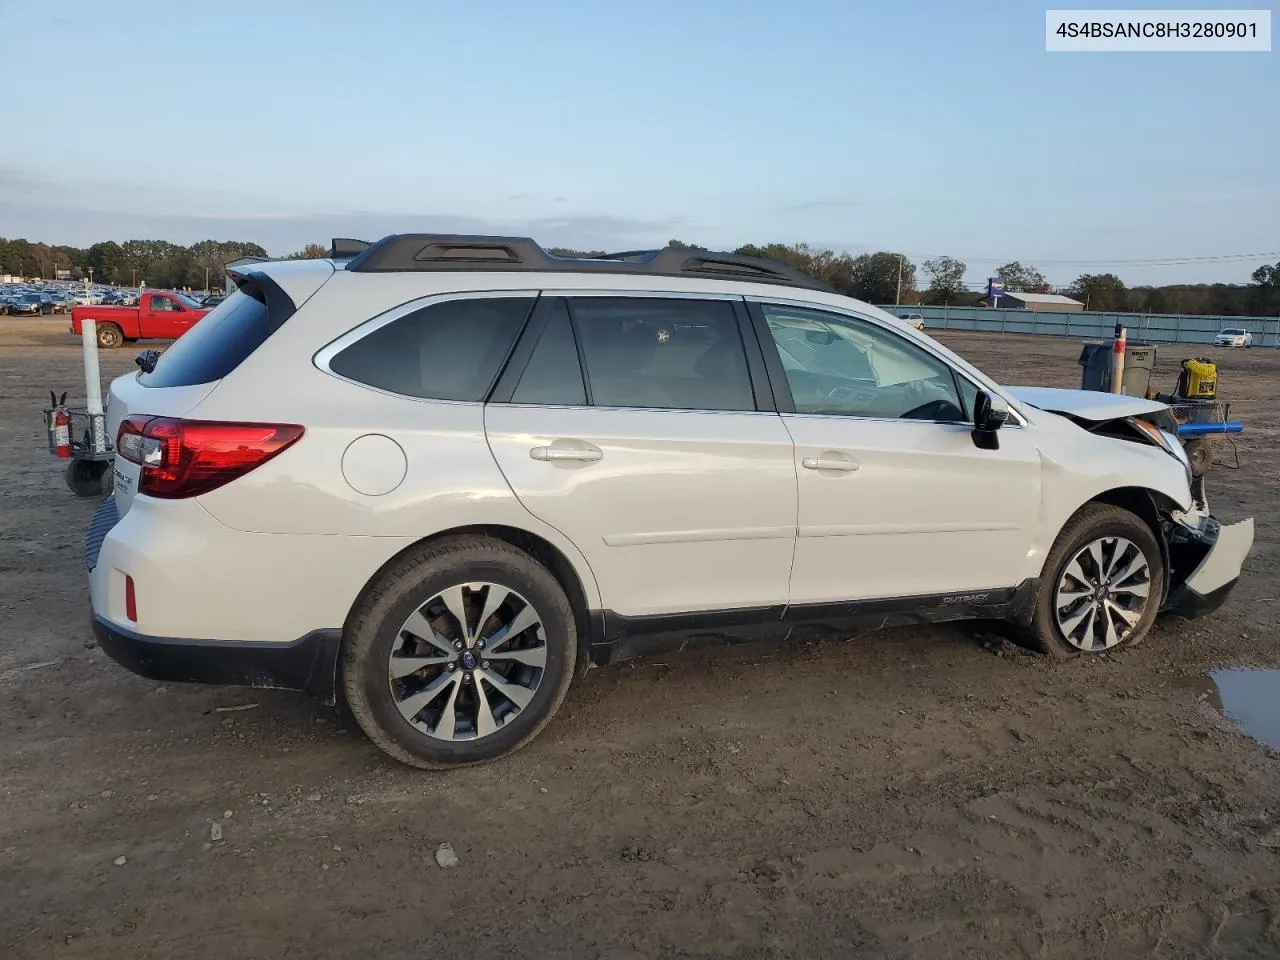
(28,304)
(160,316)
(456,470)
(1233,337)
(212,301)
(913,320)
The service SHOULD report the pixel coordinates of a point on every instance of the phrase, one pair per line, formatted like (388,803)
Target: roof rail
(344,248)
(426,252)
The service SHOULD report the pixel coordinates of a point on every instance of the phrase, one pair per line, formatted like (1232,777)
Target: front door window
(843,366)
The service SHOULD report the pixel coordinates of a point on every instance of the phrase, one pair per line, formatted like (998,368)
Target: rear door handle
(583,452)
(831,461)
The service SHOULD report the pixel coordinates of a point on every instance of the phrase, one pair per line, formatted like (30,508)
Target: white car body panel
(1086,404)
(685,511)
(198,579)
(924,512)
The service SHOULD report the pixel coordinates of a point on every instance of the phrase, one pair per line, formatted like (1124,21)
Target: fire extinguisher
(61,427)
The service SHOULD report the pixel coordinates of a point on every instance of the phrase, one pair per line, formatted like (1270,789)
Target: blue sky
(930,128)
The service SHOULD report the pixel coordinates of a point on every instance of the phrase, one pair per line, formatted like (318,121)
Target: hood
(1085,404)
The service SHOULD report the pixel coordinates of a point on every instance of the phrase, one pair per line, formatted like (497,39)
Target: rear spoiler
(260,286)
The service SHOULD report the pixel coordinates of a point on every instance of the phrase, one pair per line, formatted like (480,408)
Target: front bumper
(308,664)
(1205,563)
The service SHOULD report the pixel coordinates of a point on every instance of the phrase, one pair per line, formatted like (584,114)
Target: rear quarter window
(451,350)
(217,344)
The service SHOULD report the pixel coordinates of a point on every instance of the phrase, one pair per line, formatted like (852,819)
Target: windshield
(1231,333)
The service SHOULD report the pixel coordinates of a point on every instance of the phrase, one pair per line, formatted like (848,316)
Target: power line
(1147,261)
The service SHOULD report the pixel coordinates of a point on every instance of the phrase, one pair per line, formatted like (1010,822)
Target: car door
(896,500)
(165,319)
(631,424)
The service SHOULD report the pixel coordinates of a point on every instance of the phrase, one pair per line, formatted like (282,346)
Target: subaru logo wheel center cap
(469,660)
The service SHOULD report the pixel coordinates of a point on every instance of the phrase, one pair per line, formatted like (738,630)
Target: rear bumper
(1213,555)
(308,664)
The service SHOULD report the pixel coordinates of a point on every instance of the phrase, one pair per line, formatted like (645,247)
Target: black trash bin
(1095,363)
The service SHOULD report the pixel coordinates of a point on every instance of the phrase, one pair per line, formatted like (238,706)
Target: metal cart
(89,472)
(1199,423)
(92,453)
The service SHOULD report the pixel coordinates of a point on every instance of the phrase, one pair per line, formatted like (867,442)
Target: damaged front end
(1202,555)
(1205,557)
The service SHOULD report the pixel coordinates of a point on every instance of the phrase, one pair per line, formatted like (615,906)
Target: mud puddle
(1249,697)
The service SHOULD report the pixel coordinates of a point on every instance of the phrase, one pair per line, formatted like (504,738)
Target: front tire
(460,653)
(110,336)
(1102,586)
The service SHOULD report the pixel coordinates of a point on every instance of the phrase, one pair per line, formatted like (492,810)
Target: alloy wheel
(1102,594)
(468,661)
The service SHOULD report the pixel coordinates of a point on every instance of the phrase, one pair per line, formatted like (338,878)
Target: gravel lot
(917,793)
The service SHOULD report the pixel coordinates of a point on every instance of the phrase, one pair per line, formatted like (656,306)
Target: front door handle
(831,461)
(583,452)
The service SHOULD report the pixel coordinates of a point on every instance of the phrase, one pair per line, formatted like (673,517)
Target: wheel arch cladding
(540,549)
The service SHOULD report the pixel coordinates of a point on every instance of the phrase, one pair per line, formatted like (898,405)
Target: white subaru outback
(440,476)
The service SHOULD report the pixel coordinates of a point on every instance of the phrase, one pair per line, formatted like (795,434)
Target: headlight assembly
(1166,440)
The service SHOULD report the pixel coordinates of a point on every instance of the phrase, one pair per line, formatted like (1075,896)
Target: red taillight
(185,458)
(130,600)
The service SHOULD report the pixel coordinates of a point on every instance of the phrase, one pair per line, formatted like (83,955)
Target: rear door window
(554,374)
(666,353)
(216,345)
(449,350)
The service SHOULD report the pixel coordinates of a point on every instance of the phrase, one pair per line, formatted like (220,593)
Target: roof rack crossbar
(424,252)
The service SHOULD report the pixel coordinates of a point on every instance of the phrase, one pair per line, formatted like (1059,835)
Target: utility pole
(897,300)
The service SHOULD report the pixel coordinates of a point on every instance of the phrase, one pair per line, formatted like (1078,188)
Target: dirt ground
(916,793)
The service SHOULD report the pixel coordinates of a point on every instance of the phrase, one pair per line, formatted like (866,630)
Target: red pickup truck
(158,316)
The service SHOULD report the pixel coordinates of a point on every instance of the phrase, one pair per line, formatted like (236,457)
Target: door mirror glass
(989,415)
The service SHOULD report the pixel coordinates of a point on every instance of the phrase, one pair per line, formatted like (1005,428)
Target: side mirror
(989,415)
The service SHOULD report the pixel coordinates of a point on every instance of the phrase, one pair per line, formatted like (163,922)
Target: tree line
(157,263)
(884,277)
(887,277)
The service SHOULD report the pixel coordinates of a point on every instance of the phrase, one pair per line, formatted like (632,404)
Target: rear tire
(1102,586)
(497,664)
(110,336)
